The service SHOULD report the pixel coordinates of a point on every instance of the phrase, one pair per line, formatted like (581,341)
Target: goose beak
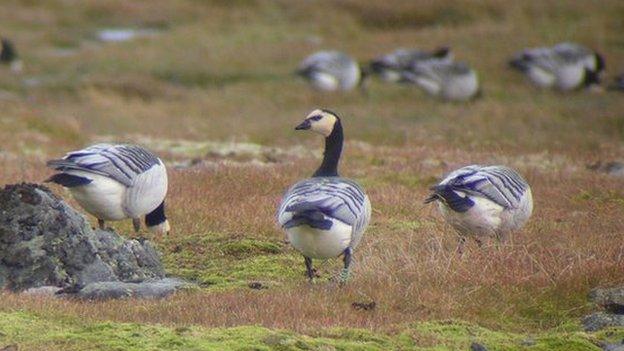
(305,125)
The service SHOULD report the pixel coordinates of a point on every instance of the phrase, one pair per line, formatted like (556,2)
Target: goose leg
(101,224)
(344,275)
(309,270)
(136,222)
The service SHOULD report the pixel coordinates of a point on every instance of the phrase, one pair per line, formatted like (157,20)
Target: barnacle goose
(451,81)
(565,66)
(115,182)
(483,201)
(326,215)
(390,66)
(331,71)
(8,55)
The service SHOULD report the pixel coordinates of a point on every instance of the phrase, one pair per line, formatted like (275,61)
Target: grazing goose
(566,66)
(390,66)
(452,81)
(325,216)
(115,182)
(331,71)
(8,55)
(483,201)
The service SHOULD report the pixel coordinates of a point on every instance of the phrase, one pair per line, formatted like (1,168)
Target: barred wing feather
(122,163)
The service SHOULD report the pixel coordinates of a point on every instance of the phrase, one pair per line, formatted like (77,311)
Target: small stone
(477,347)
(257,286)
(364,306)
(528,342)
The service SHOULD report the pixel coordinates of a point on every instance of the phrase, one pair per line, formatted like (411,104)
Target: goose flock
(565,66)
(326,215)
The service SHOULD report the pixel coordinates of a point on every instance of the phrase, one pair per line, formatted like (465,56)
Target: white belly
(103,197)
(324,81)
(315,243)
(541,77)
(482,219)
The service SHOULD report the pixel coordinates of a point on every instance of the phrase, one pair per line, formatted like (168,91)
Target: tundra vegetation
(209,87)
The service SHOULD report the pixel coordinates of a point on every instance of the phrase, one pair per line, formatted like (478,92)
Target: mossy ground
(38,333)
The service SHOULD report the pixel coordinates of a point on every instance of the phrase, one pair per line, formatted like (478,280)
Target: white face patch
(161,229)
(324,125)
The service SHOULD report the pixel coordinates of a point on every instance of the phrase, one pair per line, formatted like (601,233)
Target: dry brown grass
(207,77)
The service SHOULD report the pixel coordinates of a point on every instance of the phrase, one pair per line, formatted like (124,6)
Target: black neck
(331,156)
(157,216)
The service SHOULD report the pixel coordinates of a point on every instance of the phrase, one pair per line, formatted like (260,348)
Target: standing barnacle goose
(331,71)
(390,66)
(483,201)
(452,81)
(565,66)
(115,182)
(326,215)
(8,55)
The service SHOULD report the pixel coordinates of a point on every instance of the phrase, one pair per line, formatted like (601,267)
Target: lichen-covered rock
(116,290)
(44,242)
(611,299)
(600,320)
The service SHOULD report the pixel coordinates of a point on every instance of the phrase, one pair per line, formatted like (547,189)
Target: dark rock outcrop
(612,301)
(46,243)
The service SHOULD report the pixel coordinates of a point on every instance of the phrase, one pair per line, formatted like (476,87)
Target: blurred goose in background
(483,201)
(452,81)
(390,66)
(8,55)
(565,66)
(331,71)
(115,182)
(326,215)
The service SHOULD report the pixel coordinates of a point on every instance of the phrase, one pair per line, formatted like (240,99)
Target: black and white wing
(333,197)
(122,163)
(499,184)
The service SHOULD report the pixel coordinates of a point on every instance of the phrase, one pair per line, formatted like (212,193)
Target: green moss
(30,331)
(216,260)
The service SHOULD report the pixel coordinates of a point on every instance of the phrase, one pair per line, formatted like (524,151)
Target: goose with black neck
(325,216)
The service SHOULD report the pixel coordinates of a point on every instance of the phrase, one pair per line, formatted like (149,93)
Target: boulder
(46,243)
(611,299)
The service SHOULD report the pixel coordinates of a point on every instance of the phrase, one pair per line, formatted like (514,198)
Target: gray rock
(611,299)
(44,242)
(599,320)
(116,290)
(613,168)
(613,347)
(42,291)
(477,347)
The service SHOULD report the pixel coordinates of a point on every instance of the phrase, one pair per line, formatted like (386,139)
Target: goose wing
(122,163)
(337,198)
(499,184)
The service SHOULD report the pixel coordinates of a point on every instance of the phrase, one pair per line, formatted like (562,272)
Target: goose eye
(316,118)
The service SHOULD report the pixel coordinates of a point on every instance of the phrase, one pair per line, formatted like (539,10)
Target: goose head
(157,222)
(320,121)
